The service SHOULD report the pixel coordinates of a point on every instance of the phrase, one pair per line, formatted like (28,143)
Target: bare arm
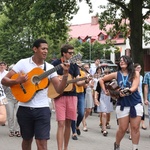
(145,94)
(135,83)
(7,81)
(61,85)
(107,78)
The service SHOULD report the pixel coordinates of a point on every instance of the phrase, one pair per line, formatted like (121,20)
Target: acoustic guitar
(113,88)
(37,80)
(52,92)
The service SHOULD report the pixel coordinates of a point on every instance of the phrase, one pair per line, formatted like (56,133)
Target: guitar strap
(44,66)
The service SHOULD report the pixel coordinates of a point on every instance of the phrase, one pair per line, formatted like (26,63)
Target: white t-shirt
(40,99)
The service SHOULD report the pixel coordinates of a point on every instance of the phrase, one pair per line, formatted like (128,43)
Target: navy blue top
(73,70)
(130,100)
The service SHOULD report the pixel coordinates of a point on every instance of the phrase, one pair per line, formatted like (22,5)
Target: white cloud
(83,15)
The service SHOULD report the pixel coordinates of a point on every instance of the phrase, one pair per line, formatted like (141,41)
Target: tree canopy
(23,21)
(127,18)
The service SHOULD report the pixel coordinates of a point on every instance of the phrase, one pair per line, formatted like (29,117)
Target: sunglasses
(70,53)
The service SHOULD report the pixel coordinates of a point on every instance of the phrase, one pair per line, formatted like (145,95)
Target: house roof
(86,30)
(90,30)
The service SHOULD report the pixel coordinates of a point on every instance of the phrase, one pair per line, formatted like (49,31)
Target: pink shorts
(66,108)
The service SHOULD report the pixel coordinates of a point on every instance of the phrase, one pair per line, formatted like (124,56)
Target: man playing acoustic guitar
(66,103)
(33,113)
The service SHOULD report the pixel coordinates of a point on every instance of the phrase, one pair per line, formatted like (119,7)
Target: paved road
(91,140)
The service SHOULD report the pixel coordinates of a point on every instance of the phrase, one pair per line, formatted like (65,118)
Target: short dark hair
(64,48)
(2,62)
(38,42)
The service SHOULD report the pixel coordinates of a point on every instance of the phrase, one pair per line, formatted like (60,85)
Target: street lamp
(90,48)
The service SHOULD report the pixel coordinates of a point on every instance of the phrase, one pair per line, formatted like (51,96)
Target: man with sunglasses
(66,104)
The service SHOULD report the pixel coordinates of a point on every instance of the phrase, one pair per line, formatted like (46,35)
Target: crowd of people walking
(88,94)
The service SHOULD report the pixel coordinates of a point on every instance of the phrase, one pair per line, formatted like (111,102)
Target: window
(101,37)
(120,35)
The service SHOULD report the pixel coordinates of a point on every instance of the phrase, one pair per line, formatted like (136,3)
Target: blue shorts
(34,122)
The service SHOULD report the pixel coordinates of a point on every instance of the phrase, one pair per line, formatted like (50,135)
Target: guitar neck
(76,80)
(46,73)
(71,60)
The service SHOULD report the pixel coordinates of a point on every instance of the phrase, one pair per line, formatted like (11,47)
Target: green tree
(27,20)
(131,12)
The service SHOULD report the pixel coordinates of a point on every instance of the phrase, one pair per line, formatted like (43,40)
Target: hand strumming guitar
(22,78)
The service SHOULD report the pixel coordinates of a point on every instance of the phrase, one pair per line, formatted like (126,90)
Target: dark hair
(38,42)
(64,48)
(136,64)
(2,62)
(98,69)
(130,67)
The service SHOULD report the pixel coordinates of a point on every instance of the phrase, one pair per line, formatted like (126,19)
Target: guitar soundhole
(35,80)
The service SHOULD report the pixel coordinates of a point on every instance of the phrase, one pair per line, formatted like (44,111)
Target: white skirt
(105,104)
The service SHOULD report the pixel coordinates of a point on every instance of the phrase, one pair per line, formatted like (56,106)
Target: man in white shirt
(94,66)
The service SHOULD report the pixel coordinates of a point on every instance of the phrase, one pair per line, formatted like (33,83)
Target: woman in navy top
(129,108)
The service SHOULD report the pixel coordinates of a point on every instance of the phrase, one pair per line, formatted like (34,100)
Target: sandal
(85,129)
(11,134)
(17,133)
(105,133)
(144,128)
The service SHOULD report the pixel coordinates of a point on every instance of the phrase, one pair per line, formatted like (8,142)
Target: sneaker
(116,147)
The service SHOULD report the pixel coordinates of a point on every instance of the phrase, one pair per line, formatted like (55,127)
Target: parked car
(104,63)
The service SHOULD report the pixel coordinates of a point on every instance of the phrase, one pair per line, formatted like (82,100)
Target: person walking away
(34,114)
(129,107)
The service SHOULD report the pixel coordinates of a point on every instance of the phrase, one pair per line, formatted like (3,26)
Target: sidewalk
(91,140)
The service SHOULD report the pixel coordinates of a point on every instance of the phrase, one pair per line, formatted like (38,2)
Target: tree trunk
(135,18)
